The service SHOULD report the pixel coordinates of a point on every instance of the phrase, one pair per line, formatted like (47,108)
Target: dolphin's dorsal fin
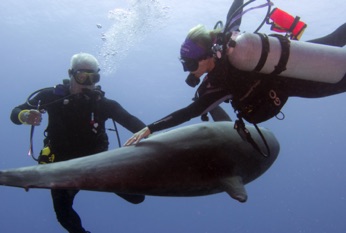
(234,186)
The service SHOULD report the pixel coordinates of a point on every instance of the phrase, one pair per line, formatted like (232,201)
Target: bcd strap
(244,133)
(285,54)
(264,52)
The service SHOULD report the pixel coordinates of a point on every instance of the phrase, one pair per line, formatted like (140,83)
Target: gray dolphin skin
(195,160)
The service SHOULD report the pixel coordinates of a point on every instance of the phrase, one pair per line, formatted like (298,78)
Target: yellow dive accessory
(46,156)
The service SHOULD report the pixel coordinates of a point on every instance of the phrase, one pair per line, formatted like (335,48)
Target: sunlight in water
(129,27)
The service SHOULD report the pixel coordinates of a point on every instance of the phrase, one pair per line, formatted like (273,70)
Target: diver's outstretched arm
(336,38)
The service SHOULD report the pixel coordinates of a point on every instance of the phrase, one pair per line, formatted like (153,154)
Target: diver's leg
(233,11)
(66,215)
(336,38)
(311,89)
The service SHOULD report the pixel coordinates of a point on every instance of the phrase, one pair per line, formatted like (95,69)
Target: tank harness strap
(285,54)
(264,53)
(244,133)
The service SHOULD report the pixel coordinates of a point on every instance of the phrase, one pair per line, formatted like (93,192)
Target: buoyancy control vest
(255,97)
(261,102)
(74,127)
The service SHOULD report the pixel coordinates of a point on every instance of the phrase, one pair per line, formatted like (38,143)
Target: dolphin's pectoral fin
(235,188)
(132,198)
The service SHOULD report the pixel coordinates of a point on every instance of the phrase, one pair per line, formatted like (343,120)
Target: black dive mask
(189,64)
(86,77)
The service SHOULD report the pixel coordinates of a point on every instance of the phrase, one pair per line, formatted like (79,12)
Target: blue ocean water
(137,43)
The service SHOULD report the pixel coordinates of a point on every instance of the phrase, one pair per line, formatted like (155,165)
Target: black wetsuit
(76,128)
(257,97)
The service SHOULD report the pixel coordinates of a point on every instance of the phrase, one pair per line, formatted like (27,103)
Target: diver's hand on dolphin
(30,117)
(143,133)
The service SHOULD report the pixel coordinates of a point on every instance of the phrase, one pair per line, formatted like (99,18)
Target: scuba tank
(290,58)
(279,55)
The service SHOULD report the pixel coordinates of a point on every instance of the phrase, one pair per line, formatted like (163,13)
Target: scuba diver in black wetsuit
(76,127)
(254,96)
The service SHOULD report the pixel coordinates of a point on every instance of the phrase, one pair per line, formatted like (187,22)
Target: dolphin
(195,160)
